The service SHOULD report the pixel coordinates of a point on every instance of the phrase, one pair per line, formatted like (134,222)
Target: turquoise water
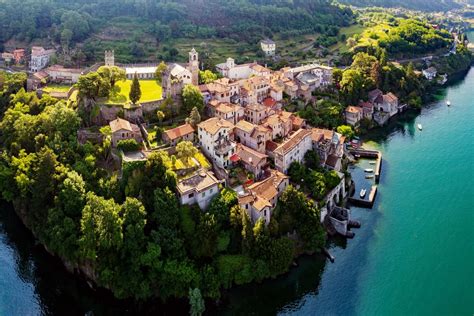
(414,254)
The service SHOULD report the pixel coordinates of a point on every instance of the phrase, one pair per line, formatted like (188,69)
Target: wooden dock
(371,154)
(363,202)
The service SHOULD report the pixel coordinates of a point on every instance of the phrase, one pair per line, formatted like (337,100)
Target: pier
(371,154)
(364,202)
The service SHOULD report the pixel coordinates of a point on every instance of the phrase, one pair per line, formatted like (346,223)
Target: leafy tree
(221,204)
(128,145)
(135,91)
(346,131)
(207,76)
(196,302)
(101,227)
(312,160)
(93,86)
(185,150)
(194,117)
(112,74)
(160,115)
(160,69)
(192,98)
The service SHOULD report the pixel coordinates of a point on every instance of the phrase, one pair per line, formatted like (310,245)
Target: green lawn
(348,31)
(151,91)
(56,88)
(180,164)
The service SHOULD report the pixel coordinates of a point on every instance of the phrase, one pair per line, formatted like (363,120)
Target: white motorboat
(362,193)
(420,127)
(369,176)
(448,103)
(369,170)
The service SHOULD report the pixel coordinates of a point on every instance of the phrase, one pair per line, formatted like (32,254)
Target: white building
(215,137)
(430,73)
(200,188)
(292,150)
(40,58)
(353,115)
(312,75)
(268,47)
(59,74)
(143,71)
(231,70)
(174,79)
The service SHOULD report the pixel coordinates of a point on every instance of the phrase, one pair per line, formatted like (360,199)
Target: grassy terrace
(56,88)
(151,91)
(348,31)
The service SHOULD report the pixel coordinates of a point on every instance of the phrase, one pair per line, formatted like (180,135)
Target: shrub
(128,145)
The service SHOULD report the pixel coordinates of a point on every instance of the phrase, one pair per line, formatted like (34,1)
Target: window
(246,206)
(210,191)
(203,194)
(265,213)
(191,195)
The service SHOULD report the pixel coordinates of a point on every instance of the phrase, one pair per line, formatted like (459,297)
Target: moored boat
(369,176)
(420,127)
(369,170)
(448,103)
(362,193)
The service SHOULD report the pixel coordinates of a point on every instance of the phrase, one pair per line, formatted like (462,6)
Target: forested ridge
(423,5)
(69,22)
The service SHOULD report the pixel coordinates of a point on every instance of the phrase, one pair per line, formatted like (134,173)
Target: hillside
(422,5)
(138,28)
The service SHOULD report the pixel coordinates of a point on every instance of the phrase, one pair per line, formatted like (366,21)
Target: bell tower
(193,66)
(109,58)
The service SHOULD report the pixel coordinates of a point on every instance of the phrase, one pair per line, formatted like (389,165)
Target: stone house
(280,123)
(268,47)
(123,129)
(59,74)
(229,112)
(200,188)
(215,137)
(181,133)
(255,113)
(293,149)
(330,147)
(40,58)
(260,199)
(253,136)
(430,73)
(353,115)
(252,160)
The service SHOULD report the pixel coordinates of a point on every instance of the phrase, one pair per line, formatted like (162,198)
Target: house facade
(251,160)
(253,136)
(178,134)
(268,47)
(40,58)
(215,137)
(292,150)
(260,199)
(200,188)
(122,130)
(353,115)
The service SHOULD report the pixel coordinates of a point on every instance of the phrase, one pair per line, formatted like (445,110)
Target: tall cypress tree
(135,91)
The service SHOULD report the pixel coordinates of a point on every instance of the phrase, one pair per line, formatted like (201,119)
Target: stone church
(177,76)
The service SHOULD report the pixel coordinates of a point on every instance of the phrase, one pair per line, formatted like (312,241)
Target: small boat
(369,170)
(369,176)
(448,103)
(372,162)
(420,127)
(362,193)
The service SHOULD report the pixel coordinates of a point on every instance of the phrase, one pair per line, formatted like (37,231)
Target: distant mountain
(422,5)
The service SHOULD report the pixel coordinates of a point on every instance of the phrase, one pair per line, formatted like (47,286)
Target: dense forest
(67,22)
(422,5)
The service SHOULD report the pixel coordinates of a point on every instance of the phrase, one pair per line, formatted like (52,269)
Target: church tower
(109,58)
(193,66)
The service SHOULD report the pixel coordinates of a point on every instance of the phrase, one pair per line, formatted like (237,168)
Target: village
(247,141)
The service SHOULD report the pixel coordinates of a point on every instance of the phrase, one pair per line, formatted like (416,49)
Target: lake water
(414,254)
